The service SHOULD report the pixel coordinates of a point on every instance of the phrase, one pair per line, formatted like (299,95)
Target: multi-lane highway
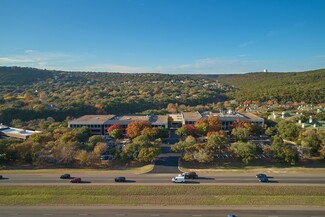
(118,211)
(165,179)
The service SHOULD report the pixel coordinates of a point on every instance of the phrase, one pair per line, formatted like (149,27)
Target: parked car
(264,179)
(65,176)
(261,175)
(190,175)
(120,179)
(104,157)
(178,179)
(75,180)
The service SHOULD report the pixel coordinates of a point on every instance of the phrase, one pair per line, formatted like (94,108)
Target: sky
(163,36)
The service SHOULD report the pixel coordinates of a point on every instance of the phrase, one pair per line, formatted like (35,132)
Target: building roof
(159,119)
(92,119)
(18,133)
(251,115)
(191,115)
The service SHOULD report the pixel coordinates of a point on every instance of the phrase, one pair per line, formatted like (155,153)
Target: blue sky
(165,36)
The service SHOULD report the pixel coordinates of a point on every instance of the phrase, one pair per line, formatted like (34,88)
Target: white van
(178,179)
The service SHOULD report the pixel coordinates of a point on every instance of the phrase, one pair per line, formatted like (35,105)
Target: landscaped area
(163,195)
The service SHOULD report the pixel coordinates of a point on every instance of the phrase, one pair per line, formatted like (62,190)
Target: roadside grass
(116,170)
(235,166)
(163,195)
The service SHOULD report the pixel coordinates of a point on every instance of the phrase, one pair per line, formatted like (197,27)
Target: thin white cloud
(10,60)
(207,65)
(34,58)
(246,44)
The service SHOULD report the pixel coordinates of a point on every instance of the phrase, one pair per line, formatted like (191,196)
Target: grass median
(163,195)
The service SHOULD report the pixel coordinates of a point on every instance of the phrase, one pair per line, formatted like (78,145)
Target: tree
(247,151)
(116,134)
(148,154)
(150,132)
(203,156)
(241,134)
(283,152)
(287,130)
(217,139)
(93,140)
(186,130)
(310,141)
(214,123)
(115,131)
(134,128)
(100,148)
(201,126)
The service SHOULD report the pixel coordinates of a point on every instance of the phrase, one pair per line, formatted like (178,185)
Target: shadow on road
(85,182)
(130,181)
(206,178)
(4,178)
(191,182)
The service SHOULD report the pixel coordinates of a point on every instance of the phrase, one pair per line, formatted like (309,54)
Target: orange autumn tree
(135,128)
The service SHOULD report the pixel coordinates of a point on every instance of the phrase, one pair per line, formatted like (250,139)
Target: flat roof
(97,119)
(191,115)
(132,118)
(251,115)
(159,119)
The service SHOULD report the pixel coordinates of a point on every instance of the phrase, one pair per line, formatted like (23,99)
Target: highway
(98,211)
(164,179)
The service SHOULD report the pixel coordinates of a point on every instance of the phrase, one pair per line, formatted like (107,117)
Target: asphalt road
(39,211)
(165,179)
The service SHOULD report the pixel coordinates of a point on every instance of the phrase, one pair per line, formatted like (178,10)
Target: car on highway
(65,176)
(190,175)
(120,179)
(75,180)
(178,179)
(231,215)
(261,175)
(264,179)
(1,176)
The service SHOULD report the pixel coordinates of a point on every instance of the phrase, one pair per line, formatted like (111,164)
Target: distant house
(6,131)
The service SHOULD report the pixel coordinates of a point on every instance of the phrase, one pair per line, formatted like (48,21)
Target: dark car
(190,175)
(232,215)
(65,176)
(261,175)
(120,179)
(1,176)
(75,180)
(264,179)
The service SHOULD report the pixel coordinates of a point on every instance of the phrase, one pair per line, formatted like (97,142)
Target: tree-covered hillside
(306,86)
(61,94)
(22,76)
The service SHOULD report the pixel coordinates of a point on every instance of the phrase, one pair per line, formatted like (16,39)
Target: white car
(178,179)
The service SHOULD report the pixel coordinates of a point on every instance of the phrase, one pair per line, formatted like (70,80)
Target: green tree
(283,152)
(241,134)
(289,131)
(310,141)
(247,151)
